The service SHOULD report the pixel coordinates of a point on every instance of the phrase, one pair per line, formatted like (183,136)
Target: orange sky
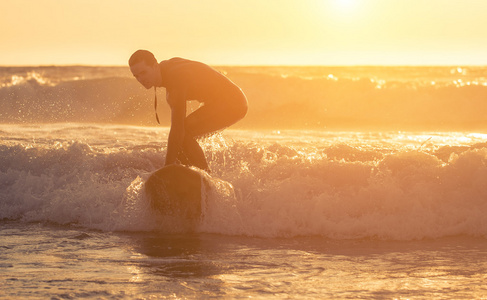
(243,32)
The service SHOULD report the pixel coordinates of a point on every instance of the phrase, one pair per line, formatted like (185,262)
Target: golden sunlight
(350,12)
(243,32)
(343,7)
(345,4)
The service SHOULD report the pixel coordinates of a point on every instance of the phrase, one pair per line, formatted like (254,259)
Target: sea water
(319,207)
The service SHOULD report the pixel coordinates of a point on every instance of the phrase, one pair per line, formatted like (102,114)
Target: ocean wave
(115,100)
(266,190)
(281,98)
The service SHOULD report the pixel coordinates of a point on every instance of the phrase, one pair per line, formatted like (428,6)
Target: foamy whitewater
(394,186)
(311,196)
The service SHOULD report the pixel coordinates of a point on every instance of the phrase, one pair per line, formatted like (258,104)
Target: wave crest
(339,191)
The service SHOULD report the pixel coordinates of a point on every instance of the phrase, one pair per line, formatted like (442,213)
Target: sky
(245,32)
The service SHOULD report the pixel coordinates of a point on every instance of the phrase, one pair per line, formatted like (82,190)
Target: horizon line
(251,65)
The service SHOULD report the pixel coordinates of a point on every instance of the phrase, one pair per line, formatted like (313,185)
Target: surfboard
(175,190)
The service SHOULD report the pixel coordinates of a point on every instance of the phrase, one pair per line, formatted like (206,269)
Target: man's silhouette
(224,103)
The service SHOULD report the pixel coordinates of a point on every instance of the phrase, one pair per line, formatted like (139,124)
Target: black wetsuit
(200,81)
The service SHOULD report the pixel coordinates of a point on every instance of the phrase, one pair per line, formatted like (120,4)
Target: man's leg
(193,155)
(205,120)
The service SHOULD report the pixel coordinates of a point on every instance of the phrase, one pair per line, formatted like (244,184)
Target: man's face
(145,74)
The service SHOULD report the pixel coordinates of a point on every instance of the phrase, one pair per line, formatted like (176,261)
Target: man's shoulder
(178,66)
(175,62)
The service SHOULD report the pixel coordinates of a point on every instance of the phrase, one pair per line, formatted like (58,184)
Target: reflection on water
(55,263)
(215,265)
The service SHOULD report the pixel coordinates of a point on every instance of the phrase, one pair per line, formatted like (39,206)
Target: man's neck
(160,79)
(158,76)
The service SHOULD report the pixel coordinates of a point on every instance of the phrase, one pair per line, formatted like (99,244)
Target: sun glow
(342,7)
(342,10)
(242,32)
(345,4)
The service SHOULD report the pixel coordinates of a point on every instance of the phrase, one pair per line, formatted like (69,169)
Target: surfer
(224,103)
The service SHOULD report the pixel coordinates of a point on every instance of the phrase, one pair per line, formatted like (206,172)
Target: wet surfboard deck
(175,190)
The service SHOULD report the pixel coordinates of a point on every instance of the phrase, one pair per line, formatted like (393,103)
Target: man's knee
(240,109)
(189,139)
(242,112)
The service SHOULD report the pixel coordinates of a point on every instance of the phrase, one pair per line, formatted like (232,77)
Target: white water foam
(337,185)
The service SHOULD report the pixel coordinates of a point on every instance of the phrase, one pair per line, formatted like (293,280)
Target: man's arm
(177,101)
